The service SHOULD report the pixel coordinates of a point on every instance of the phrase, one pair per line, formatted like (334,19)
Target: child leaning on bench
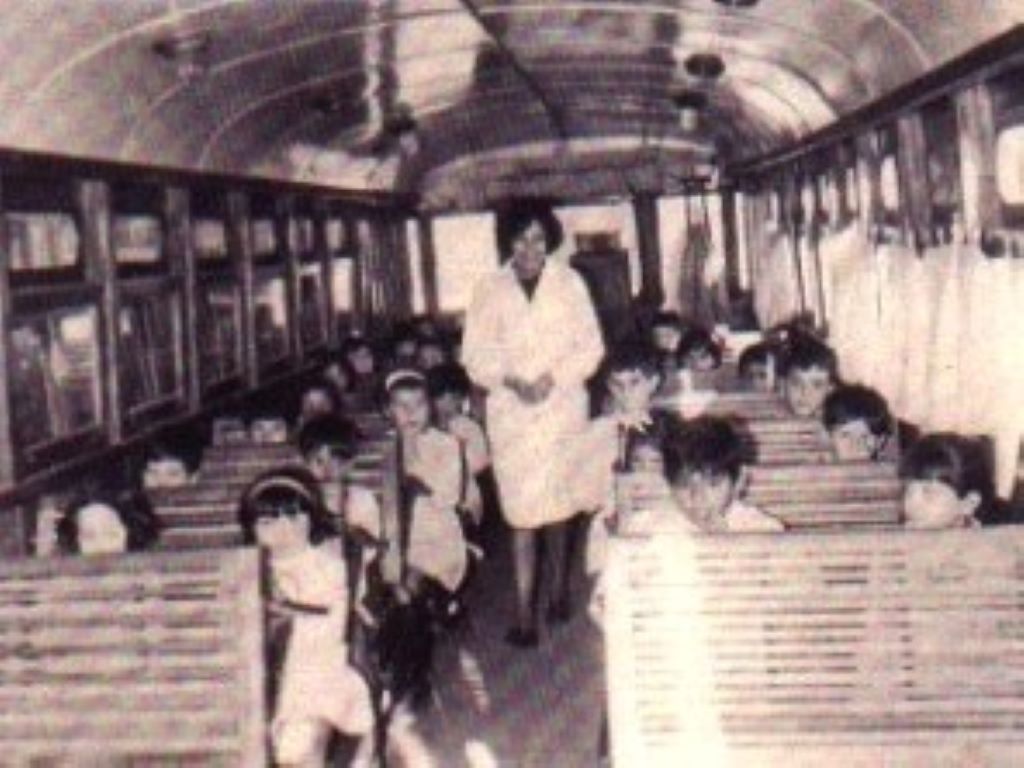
(318,693)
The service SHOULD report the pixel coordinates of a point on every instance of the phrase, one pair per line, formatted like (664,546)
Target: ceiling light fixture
(188,51)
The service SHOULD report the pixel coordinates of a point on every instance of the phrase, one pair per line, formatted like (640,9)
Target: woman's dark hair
(708,445)
(291,491)
(854,402)
(699,340)
(338,434)
(806,352)
(513,220)
(182,443)
(133,510)
(952,460)
(450,378)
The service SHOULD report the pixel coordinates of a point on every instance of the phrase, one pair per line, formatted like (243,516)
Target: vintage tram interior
(202,200)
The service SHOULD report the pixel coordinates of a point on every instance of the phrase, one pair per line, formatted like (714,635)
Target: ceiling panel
(479,76)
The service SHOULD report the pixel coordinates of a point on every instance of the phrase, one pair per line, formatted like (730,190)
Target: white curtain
(940,335)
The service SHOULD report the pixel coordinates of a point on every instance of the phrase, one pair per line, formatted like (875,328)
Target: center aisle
(495,705)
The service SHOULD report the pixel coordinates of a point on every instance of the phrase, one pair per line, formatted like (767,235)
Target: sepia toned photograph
(512,383)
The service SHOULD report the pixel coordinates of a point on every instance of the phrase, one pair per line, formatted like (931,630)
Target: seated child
(318,399)
(329,445)
(172,460)
(361,362)
(608,447)
(704,469)
(858,422)
(811,373)
(317,691)
(666,331)
(450,389)
(759,366)
(945,484)
(431,353)
(403,348)
(432,487)
(698,351)
(105,526)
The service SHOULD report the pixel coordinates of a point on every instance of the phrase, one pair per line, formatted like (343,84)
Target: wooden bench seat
(815,496)
(744,405)
(854,649)
(150,659)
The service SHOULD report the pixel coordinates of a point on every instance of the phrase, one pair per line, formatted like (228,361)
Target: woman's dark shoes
(522,638)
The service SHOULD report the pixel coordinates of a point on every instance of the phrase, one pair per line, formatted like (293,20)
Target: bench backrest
(859,649)
(807,496)
(152,659)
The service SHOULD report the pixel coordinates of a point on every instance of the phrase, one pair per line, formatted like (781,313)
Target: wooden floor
(495,705)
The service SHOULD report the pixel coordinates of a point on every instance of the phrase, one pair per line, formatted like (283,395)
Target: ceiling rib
(552,110)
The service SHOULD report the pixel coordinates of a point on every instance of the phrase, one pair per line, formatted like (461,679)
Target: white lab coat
(508,334)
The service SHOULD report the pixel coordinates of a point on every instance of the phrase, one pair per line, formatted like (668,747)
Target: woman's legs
(557,541)
(524,565)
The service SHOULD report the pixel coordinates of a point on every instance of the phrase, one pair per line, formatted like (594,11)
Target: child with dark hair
(433,486)
(431,353)
(698,351)
(361,361)
(811,372)
(104,524)
(172,459)
(318,399)
(319,692)
(704,466)
(759,366)
(666,332)
(858,422)
(450,390)
(946,483)
(403,348)
(329,446)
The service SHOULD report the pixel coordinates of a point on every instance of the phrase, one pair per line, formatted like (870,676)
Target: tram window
(415,254)
(264,238)
(210,239)
(138,240)
(337,236)
(219,337)
(311,298)
(42,241)
(1010,166)
(148,331)
(466,251)
(941,140)
(55,382)
(271,320)
(342,275)
(302,236)
(889,184)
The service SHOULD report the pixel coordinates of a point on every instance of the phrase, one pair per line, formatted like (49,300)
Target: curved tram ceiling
(507,95)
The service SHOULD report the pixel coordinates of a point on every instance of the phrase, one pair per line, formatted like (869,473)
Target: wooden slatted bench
(743,405)
(859,649)
(834,495)
(804,496)
(153,660)
(204,514)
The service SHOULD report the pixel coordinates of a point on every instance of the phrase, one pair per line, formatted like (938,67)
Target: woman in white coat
(532,340)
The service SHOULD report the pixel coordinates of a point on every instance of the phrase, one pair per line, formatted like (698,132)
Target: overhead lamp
(690,104)
(705,66)
(188,51)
